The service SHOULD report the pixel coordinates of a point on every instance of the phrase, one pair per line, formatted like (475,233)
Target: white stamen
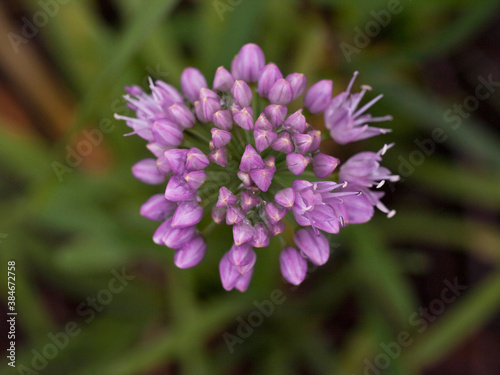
(128,119)
(378,119)
(352,81)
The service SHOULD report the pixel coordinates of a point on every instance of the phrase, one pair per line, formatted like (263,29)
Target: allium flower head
(248,126)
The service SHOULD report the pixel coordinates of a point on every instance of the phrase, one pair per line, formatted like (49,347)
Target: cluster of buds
(282,177)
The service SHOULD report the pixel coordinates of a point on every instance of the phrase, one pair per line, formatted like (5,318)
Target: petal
(315,247)
(187,214)
(293,265)
(191,253)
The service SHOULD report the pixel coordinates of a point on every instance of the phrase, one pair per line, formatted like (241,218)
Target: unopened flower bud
(269,76)
(281,92)
(223,80)
(192,81)
(319,96)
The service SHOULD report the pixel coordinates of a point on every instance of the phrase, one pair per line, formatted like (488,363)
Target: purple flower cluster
(245,118)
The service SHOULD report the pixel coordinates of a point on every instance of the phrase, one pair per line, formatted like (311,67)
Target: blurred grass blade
(358,346)
(472,139)
(379,273)
(26,156)
(459,183)
(473,15)
(464,319)
(213,317)
(148,18)
(78,40)
(481,240)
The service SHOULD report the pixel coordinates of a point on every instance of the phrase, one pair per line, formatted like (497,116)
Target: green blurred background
(381,305)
